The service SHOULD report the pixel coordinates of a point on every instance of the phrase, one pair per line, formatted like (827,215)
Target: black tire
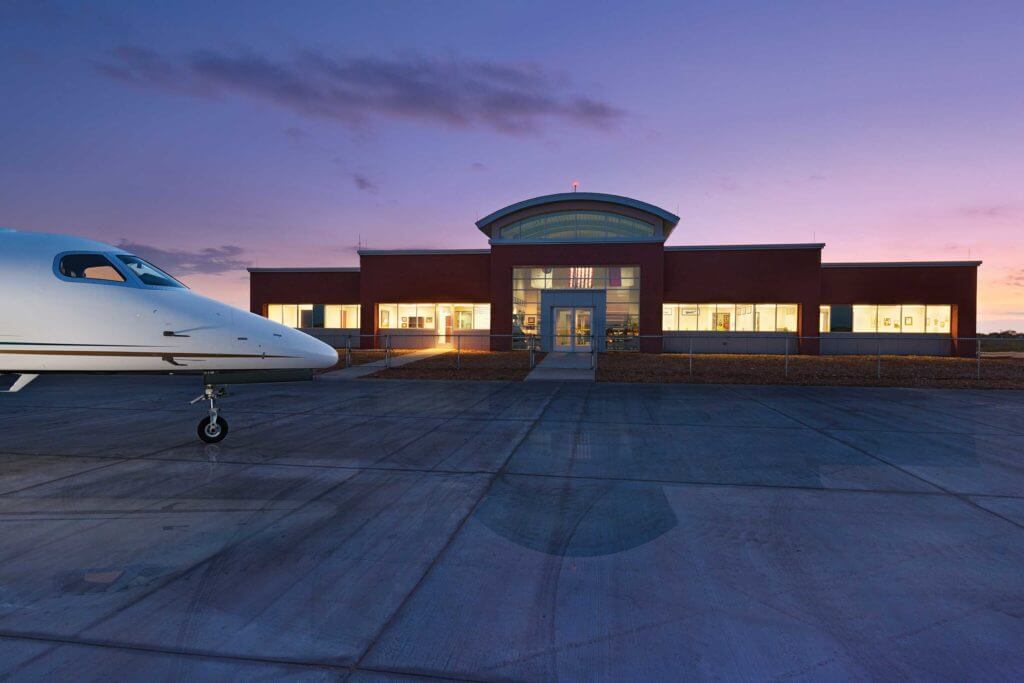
(212,433)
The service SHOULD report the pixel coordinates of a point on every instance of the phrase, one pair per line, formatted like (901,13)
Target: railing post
(878,358)
(530,345)
(691,357)
(458,352)
(593,352)
(387,350)
(348,351)
(977,346)
(787,358)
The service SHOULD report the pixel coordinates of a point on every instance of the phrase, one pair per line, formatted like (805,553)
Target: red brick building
(578,271)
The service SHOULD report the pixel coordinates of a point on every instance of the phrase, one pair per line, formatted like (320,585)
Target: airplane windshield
(148,273)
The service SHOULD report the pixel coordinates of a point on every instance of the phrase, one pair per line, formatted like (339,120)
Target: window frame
(138,280)
(129,278)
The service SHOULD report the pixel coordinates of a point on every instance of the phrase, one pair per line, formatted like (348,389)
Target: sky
(213,136)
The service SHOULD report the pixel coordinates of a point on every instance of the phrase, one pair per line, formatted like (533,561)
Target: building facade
(585,271)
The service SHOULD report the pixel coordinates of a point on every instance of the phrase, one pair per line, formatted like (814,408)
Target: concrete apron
(559,366)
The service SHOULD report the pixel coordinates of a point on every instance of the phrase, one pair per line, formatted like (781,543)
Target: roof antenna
(575,185)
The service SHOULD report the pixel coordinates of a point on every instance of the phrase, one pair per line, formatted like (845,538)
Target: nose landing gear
(213,428)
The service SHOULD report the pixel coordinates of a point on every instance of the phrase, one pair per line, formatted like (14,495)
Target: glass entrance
(573,329)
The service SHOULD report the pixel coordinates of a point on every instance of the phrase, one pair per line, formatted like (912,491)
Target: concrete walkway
(560,367)
(357,371)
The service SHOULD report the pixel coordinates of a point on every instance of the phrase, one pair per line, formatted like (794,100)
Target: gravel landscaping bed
(476,365)
(908,371)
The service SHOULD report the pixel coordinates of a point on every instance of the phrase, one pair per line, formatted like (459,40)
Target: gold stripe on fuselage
(135,354)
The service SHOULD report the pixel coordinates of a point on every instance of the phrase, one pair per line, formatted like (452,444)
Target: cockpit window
(89,267)
(148,273)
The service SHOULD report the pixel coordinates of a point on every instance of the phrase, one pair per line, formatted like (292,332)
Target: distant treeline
(1007,340)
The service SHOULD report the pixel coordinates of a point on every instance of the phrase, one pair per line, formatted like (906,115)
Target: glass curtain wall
(621,285)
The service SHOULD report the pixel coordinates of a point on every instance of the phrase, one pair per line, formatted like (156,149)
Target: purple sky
(212,136)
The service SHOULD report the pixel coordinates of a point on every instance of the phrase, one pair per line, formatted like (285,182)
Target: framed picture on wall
(908,321)
(531,321)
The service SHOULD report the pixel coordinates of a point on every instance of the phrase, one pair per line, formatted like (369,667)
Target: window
(482,317)
(730,317)
(912,319)
(621,285)
(148,273)
(688,317)
(341,316)
(865,318)
(581,226)
(744,318)
(938,319)
(786,318)
(387,315)
(723,317)
(888,318)
(764,315)
(315,316)
(836,318)
(89,267)
(434,316)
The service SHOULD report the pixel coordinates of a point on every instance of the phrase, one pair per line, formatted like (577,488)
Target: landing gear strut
(213,428)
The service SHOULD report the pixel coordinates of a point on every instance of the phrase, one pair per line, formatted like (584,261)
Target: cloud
(1015,279)
(295,133)
(995,211)
(365,184)
(208,261)
(512,99)
(477,166)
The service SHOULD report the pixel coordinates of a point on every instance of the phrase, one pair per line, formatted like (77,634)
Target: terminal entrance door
(573,328)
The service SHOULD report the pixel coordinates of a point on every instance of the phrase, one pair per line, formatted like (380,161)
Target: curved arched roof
(670,218)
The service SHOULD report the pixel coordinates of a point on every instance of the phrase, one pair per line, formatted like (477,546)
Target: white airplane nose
(318,354)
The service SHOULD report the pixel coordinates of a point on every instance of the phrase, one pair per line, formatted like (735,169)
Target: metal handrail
(885,344)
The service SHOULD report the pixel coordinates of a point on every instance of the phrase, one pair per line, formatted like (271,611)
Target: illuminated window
(723,317)
(669,318)
(938,319)
(744,318)
(338,316)
(730,317)
(580,226)
(865,318)
(315,316)
(621,285)
(482,317)
(824,318)
(889,318)
(442,318)
(706,317)
(912,319)
(786,318)
(765,317)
